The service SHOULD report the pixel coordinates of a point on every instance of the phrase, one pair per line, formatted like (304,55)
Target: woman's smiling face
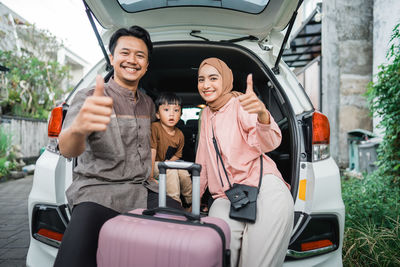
(209,83)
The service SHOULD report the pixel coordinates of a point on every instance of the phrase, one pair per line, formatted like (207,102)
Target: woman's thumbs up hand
(252,104)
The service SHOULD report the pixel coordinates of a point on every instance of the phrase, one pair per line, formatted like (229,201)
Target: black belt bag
(243,198)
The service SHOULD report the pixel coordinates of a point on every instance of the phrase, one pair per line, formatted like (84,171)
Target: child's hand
(151,178)
(189,209)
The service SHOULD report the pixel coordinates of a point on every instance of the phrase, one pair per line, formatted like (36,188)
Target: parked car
(248,36)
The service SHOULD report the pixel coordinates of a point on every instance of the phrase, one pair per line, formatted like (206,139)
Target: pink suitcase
(164,236)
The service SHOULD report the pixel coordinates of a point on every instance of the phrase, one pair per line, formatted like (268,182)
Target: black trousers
(80,240)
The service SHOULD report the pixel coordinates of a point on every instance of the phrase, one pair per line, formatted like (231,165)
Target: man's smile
(131,69)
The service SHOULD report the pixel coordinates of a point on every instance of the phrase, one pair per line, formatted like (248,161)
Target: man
(108,129)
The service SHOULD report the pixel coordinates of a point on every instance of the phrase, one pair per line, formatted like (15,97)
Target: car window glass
(273,106)
(248,6)
(190,114)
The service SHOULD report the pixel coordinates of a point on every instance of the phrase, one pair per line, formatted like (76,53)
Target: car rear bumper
(40,254)
(333,259)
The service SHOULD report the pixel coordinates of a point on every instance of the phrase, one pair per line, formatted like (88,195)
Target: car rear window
(248,6)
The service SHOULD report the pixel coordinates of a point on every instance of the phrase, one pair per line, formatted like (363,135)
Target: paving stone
(13,263)
(7,234)
(24,233)
(15,219)
(14,225)
(3,252)
(10,227)
(3,242)
(15,253)
(17,243)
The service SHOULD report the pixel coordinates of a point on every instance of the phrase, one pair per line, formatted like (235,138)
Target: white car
(247,35)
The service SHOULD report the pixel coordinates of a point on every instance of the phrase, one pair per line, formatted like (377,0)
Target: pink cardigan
(241,140)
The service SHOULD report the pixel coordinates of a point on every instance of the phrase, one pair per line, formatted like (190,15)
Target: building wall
(12,38)
(309,77)
(346,69)
(8,36)
(386,16)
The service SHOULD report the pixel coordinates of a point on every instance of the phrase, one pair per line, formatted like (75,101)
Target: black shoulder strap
(220,157)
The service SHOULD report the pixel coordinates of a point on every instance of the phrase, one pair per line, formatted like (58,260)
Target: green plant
(384,98)
(34,82)
(3,167)
(5,142)
(372,199)
(366,244)
(372,204)
(31,86)
(5,145)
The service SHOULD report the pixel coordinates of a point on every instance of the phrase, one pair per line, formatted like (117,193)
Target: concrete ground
(14,225)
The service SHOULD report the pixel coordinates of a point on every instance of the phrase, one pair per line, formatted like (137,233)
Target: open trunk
(174,66)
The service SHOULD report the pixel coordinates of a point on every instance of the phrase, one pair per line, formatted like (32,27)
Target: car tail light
(319,236)
(49,224)
(320,136)
(55,122)
(316,244)
(55,125)
(50,234)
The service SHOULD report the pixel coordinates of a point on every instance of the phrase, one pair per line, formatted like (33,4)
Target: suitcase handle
(167,210)
(183,165)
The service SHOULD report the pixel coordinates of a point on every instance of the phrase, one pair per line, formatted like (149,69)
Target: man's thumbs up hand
(99,89)
(95,113)
(252,104)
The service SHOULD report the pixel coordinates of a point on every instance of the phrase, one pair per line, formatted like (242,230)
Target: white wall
(346,69)
(386,16)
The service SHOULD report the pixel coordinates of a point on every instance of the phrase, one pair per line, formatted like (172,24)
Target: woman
(244,130)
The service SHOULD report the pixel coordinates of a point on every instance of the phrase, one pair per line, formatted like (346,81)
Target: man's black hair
(135,31)
(167,99)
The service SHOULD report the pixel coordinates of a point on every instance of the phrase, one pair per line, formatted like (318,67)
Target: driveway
(14,225)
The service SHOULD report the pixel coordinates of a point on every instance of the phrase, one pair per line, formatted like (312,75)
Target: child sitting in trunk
(167,143)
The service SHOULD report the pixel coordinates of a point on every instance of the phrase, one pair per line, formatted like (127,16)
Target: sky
(66,19)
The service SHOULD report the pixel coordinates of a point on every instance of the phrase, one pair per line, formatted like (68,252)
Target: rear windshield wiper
(249,37)
(194,34)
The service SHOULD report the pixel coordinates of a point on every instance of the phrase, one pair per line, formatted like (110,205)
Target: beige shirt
(114,168)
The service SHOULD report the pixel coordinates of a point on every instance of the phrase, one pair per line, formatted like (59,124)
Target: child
(167,144)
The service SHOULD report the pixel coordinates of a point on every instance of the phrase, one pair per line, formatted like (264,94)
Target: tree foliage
(32,86)
(384,101)
(372,203)
(34,82)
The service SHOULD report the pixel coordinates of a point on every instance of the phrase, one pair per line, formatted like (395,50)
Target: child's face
(168,114)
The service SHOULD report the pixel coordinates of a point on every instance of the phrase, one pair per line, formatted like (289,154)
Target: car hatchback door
(257,18)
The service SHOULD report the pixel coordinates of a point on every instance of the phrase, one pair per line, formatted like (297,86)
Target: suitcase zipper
(226,255)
